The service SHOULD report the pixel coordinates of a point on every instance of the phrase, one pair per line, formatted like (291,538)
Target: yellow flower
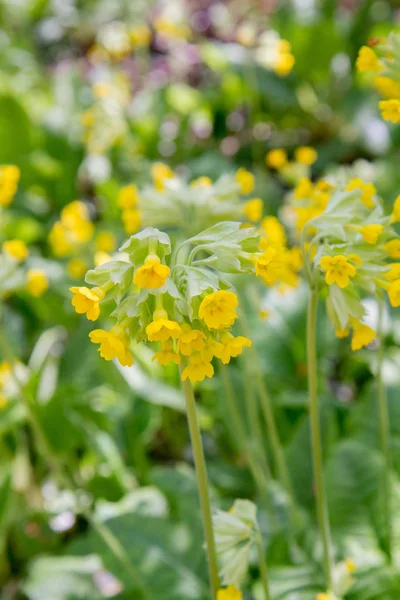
(367,60)
(322,596)
(276,159)
(161,328)
(245,179)
(160,172)
(396,210)
(37,282)
(390,110)
(230,347)
(152,274)
(362,335)
(253,209)
(273,230)
(285,59)
(201,182)
(394,293)
(371,233)
(9,177)
(167,354)
(393,248)
(351,565)
(338,270)
(191,340)
(105,241)
(77,268)
(368,190)
(393,272)
(101,258)
(16,249)
(140,35)
(132,220)
(217,309)
(199,367)
(342,333)
(304,189)
(387,87)
(306,155)
(86,301)
(355,259)
(128,197)
(113,344)
(270,265)
(229,593)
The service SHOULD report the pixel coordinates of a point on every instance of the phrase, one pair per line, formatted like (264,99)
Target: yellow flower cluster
(9,177)
(128,201)
(278,158)
(310,200)
(72,230)
(15,249)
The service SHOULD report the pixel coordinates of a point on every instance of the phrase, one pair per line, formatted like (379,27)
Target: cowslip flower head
(229,593)
(338,269)
(16,249)
(390,110)
(87,301)
(36,282)
(368,191)
(368,61)
(276,159)
(162,328)
(152,274)
(128,197)
(217,309)
(113,344)
(305,155)
(253,209)
(131,220)
(245,179)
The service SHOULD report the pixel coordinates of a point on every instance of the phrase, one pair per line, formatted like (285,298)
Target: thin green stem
(263,566)
(202,482)
(322,509)
(384,428)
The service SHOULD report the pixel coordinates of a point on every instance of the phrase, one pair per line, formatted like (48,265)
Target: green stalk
(202,482)
(384,428)
(322,509)
(263,566)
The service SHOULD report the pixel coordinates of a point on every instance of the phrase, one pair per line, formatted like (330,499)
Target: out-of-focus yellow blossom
(171,30)
(191,340)
(263,314)
(277,264)
(217,309)
(167,354)
(351,565)
(162,328)
(140,36)
(246,35)
(387,87)
(160,172)
(201,182)
(152,274)
(87,301)
(272,231)
(37,282)
(253,209)
(245,179)
(229,593)
(128,197)
(231,346)
(367,60)
(73,229)
(390,110)
(393,272)
(9,178)
(76,268)
(16,249)
(105,241)
(132,220)
(338,269)
(101,258)
(285,60)
(113,344)
(303,189)
(276,159)
(3,401)
(371,233)
(363,335)
(342,333)
(394,293)
(368,190)
(306,155)
(396,211)
(393,248)
(322,596)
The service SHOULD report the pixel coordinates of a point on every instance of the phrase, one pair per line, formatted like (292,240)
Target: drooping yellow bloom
(161,328)
(160,172)
(167,354)
(229,593)
(367,60)
(342,333)
(270,265)
(77,268)
(37,282)
(390,110)
(101,258)
(17,249)
(231,346)
(128,197)
(393,272)
(253,209)
(371,233)
(338,270)
(368,191)
(362,335)
(273,231)
(132,220)
(87,301)
(393,248)
(152,274)
(9,177)
(306,155)
(396,210)
(276,159)
(105,241)
(191,340)
(74,228)
(199,366)
(387,87)
(217,309)
(113,344)
(245,179)
(394,293)
(304,189)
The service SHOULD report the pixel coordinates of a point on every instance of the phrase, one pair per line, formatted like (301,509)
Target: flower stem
(384,437)
(263,566)
(322,509)
(202,483)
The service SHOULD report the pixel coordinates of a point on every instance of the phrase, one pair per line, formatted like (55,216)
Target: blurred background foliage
(81,115)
